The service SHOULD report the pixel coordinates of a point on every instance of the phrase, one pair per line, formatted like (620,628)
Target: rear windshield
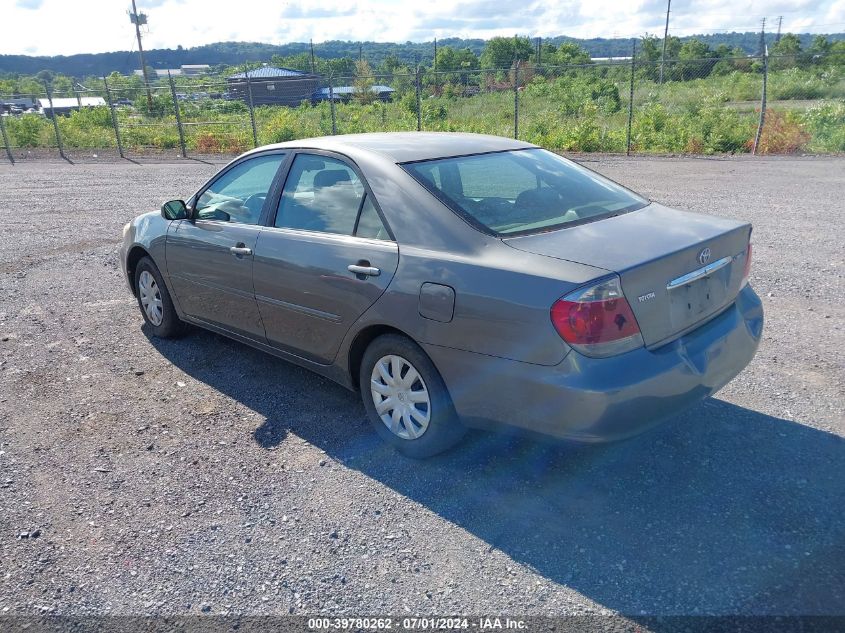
(522,191)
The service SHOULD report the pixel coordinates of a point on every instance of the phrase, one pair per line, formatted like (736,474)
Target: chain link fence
(762,104)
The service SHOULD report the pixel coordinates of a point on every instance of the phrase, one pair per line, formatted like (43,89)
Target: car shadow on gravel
(722,510)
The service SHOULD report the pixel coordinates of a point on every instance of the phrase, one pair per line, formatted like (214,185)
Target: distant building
(345,93)
(188,70)
(16,104)
(65,105)
(160,72)
(274,86)
(191,70)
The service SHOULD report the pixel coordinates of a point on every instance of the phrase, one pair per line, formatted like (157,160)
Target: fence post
(55,122)
(251,110)
(331,105)
(178,116)
(516,100)
(419,99)
(113,118)
(6,140)
(762,102)
(631,100)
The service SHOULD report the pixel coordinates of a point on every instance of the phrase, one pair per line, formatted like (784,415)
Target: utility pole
(435,68)
(665,37)
(763,97)
(313,66)
(780,23)
(539,50)
(138,20)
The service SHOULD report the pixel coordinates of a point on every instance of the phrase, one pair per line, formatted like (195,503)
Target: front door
(210,256)
(327,258)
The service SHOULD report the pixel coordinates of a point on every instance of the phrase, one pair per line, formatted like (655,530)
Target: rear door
(210,257)
(326,257)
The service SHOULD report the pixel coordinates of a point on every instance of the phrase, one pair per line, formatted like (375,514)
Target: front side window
(321,194)
(239,194)
(522,191)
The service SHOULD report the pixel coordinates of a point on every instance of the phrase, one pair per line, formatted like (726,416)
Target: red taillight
(746,271)
(597,321)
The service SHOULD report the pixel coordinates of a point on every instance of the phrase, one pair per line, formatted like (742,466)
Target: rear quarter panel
(502,301)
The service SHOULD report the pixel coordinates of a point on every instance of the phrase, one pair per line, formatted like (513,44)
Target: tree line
(223,54)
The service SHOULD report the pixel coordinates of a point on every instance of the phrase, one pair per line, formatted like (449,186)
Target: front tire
(406,399)
(155,302)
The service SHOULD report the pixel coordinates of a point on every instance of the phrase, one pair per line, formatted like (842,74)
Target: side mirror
(174,210)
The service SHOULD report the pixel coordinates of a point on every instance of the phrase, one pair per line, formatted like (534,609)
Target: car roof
(401,147)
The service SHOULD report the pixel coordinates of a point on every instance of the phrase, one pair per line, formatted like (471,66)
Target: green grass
(583,112)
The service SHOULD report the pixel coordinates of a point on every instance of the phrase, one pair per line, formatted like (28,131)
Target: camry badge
(704,256)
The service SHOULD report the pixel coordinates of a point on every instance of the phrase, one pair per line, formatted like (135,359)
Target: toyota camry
(456,281)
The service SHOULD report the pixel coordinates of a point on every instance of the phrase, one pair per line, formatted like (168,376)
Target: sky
(66,27)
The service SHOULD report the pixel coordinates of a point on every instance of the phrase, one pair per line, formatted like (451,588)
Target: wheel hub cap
(150,295)
(401,397)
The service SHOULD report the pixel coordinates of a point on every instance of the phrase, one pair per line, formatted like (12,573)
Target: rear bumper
(592,399)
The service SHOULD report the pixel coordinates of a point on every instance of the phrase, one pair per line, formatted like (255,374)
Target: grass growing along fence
(581,109)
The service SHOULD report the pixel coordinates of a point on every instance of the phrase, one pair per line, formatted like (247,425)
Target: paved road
(199,475)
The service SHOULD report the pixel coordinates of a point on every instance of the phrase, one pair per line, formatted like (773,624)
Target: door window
(238,195)
(321,194)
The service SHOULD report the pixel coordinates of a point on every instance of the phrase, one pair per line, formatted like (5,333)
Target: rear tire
(154,301)
(406,399)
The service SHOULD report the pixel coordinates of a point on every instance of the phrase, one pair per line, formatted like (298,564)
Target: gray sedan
(456,280)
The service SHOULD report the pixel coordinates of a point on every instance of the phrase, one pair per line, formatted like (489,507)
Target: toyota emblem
(704,256)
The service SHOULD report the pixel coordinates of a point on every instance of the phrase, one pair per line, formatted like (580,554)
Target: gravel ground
(140,476)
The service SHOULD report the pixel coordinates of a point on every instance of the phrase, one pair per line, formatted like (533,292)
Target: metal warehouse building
(66,105)
(274,86)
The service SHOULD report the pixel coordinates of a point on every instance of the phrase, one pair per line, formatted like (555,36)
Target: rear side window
(320,194)
(370,224)
(522,191)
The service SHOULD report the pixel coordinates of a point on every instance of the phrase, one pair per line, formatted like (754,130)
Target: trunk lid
(677,268)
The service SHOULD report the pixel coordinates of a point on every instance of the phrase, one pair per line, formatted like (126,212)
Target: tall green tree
(502,52)
(695,61)
(785,53)
(569,53)
(364,82)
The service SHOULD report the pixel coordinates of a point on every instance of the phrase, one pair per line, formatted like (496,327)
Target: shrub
(782,134)
(28,130)
(208,143)
(573,94)
(826,124)
(280,128)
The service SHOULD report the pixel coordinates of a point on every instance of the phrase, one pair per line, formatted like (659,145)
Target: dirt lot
(140,476)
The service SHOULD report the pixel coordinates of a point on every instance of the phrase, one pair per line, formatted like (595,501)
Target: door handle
(240,251)
(371,271)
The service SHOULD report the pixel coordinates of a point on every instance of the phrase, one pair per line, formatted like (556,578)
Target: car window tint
(523,191)
(485,178)
(238,195)
(370,224)
(320,194)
